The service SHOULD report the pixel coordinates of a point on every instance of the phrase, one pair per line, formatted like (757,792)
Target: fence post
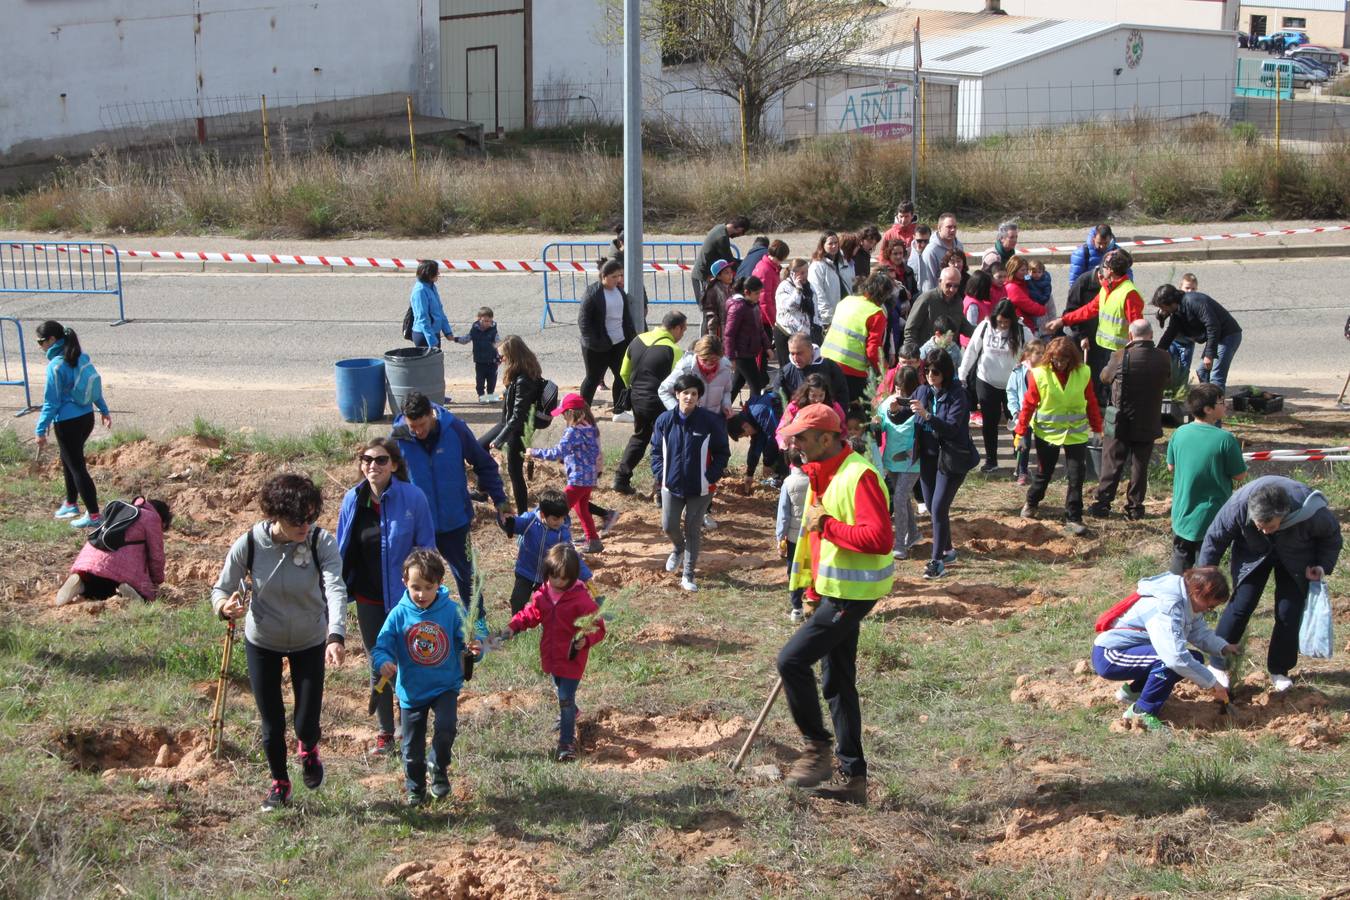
(412,141)
(1277,127)
(267,146)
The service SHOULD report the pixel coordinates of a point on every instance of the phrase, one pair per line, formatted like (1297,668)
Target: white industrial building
(1218,15)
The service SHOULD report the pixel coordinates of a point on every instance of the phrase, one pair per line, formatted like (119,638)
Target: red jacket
(1134,306)
(872,531)
(766,270)
(139,562)
(1022,301)
(557,613)
(1032,399)
(900,232)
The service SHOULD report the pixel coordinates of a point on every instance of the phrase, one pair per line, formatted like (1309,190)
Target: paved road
(257,350)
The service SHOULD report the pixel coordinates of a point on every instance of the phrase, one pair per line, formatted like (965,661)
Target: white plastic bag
(1314,635)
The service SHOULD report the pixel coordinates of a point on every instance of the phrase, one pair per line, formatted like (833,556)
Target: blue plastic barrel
(360,389)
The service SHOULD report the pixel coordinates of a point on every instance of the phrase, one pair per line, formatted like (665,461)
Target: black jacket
(1138,375)
(790,378)
(651,363)
(1200,318)
(717,245)
(591,320)
(521,394)
(1081,293)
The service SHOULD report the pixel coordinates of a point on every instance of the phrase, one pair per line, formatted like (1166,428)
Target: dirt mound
(1017,539)
(615,740)
(480,872)
(143,754)
(655,635)
(1032,836)
(950,602)
(473,704)
(714,835)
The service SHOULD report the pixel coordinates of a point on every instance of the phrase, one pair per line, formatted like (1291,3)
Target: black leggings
(747,373)
(371,619)
(71,435)
(991,408)
(596,362)
(264,674)
(515,465)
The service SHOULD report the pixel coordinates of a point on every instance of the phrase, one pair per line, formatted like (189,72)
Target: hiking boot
(949,557)
(1099,511)
(591,546)
(611,519)
(674,560)
(67,511)
(130,593)
(687,582)
(812,767)
(440,785)
(625,416)
(312,767)
(844,788)
(1028,511)
(478,496)
(1125,695)
(384,744)
(623,486)
(1075,527)
(934,569)
(71,591)
(88,520)
(566,753)
(1134,515)
(415,798)
(1149,720)
(278,796)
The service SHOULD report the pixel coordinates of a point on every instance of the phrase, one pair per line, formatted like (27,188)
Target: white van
(1287,71)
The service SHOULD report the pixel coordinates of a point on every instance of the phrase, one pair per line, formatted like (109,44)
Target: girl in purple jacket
(744,341)
(579,450)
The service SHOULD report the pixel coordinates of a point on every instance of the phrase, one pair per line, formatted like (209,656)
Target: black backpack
(547,403)
(408,324)
(118,517)
(313,555)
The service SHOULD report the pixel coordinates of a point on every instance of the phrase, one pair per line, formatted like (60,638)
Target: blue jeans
(454,547)
(442,739)
(567,709)
(1217,374)
(939,490)
(1141,667)
(1181,351)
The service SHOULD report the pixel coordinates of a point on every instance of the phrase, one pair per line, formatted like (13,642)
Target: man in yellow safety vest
(1117,304)
(843,560)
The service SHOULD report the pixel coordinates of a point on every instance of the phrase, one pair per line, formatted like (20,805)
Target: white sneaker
(1220,675)
(795,616)
(129,592)
(483,398)
(1125,695)
(900,554)
(1280,683)
(923,509)
(70,591)
(622,417)
(494,398)
(687,582)
(674,561)
(709,523)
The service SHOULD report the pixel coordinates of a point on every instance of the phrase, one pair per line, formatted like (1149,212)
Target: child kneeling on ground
(1143,640)
(423,642)
(537,532)
(572,625)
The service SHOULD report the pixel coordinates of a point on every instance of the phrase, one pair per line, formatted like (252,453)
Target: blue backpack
(88,386)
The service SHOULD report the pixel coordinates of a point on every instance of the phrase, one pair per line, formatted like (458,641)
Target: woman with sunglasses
(73,390)
(383,519)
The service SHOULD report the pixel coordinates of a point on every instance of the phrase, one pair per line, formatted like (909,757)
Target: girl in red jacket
(558,605)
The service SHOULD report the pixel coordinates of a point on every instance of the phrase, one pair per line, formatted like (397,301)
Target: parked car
(1313,70)
(1340,54)
(1291,39)
(1327,59)
(1288,71)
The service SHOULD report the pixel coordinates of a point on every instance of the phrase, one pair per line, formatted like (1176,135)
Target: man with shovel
(844,562)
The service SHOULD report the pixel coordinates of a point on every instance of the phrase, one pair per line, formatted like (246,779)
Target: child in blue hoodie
(423,643)
(899,459)
(536,532)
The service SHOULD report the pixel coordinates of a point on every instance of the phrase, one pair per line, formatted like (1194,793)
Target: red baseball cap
(817,416)
(571,401)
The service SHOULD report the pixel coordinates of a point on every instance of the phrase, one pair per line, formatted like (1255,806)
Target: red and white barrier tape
(1313,457)
(539,266)
(1296,455)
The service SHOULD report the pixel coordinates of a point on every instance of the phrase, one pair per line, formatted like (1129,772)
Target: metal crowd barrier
(669,287)
(9,380)
(62,267)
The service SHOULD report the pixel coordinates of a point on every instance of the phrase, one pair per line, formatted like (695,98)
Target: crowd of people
(859,377)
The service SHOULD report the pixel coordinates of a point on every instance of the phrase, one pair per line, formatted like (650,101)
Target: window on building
(680,36)
(1292,22)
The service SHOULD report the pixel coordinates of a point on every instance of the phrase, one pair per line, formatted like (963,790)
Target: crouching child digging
(423,643)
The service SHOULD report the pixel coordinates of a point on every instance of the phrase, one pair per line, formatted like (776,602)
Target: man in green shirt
(1206,463)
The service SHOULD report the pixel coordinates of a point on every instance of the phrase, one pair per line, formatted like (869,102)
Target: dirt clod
(142,754)
(487,870)
(640,743)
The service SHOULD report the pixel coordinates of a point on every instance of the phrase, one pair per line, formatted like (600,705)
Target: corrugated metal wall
(483,62)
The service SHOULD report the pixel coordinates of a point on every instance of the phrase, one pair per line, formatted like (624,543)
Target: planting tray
(1264,402)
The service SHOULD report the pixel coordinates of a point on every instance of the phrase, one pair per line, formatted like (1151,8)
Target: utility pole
(632,161)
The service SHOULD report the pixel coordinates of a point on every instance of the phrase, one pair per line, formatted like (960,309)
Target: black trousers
(829,637)
(515,465)
(371,619)
(264,675)
(1047,455)
(747,372)
(1290,596)
(644,420)
(521,592)
(991,400)
(596,362)
(1184,553)
(1097,358)
(1115,455)
(780,346)
(857,387)
(484,377)
(71,436)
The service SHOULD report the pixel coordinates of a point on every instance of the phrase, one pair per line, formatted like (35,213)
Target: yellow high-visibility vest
(846,341)
(1061,416)
(1113,328)
(844,574)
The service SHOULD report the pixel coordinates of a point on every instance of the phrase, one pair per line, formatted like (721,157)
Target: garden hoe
(759,723)
(215,740)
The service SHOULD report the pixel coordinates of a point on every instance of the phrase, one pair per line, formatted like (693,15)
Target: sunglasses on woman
(369,460)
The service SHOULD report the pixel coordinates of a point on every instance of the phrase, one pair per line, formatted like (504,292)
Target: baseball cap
(717,267)
(571,401)
(817,416)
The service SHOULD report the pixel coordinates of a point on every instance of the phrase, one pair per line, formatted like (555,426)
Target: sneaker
(844,788)
(623,417)
(1149,720)
(976,419)
(278,796)
(624,487)
(384,744)
(922,509)
(1280,683)
(312,766)
(687,582)
(1022,480)
(674,560)
(1125,695)
(494,397)
(988,468)
(70,591)
(934,569)
(88,520)
(478,496)
(709,523)
(566,753)
(1098,511)
(811,768)
(415,798)
(949,557)
(900,554)
(130,593)
(1028,511)
(591,546)
(1075,527)
(611,519)
(795,616)
(483,398)
(1134,515)
(1220,675)
(440,785)
(67,511)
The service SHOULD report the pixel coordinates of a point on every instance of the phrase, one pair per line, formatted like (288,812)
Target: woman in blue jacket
(429,321)
(382,520)
(73,390)
(946,452)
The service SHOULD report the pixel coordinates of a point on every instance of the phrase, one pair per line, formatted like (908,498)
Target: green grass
(118,438)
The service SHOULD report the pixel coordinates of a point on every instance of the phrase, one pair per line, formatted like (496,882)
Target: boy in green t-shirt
(1206,463)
